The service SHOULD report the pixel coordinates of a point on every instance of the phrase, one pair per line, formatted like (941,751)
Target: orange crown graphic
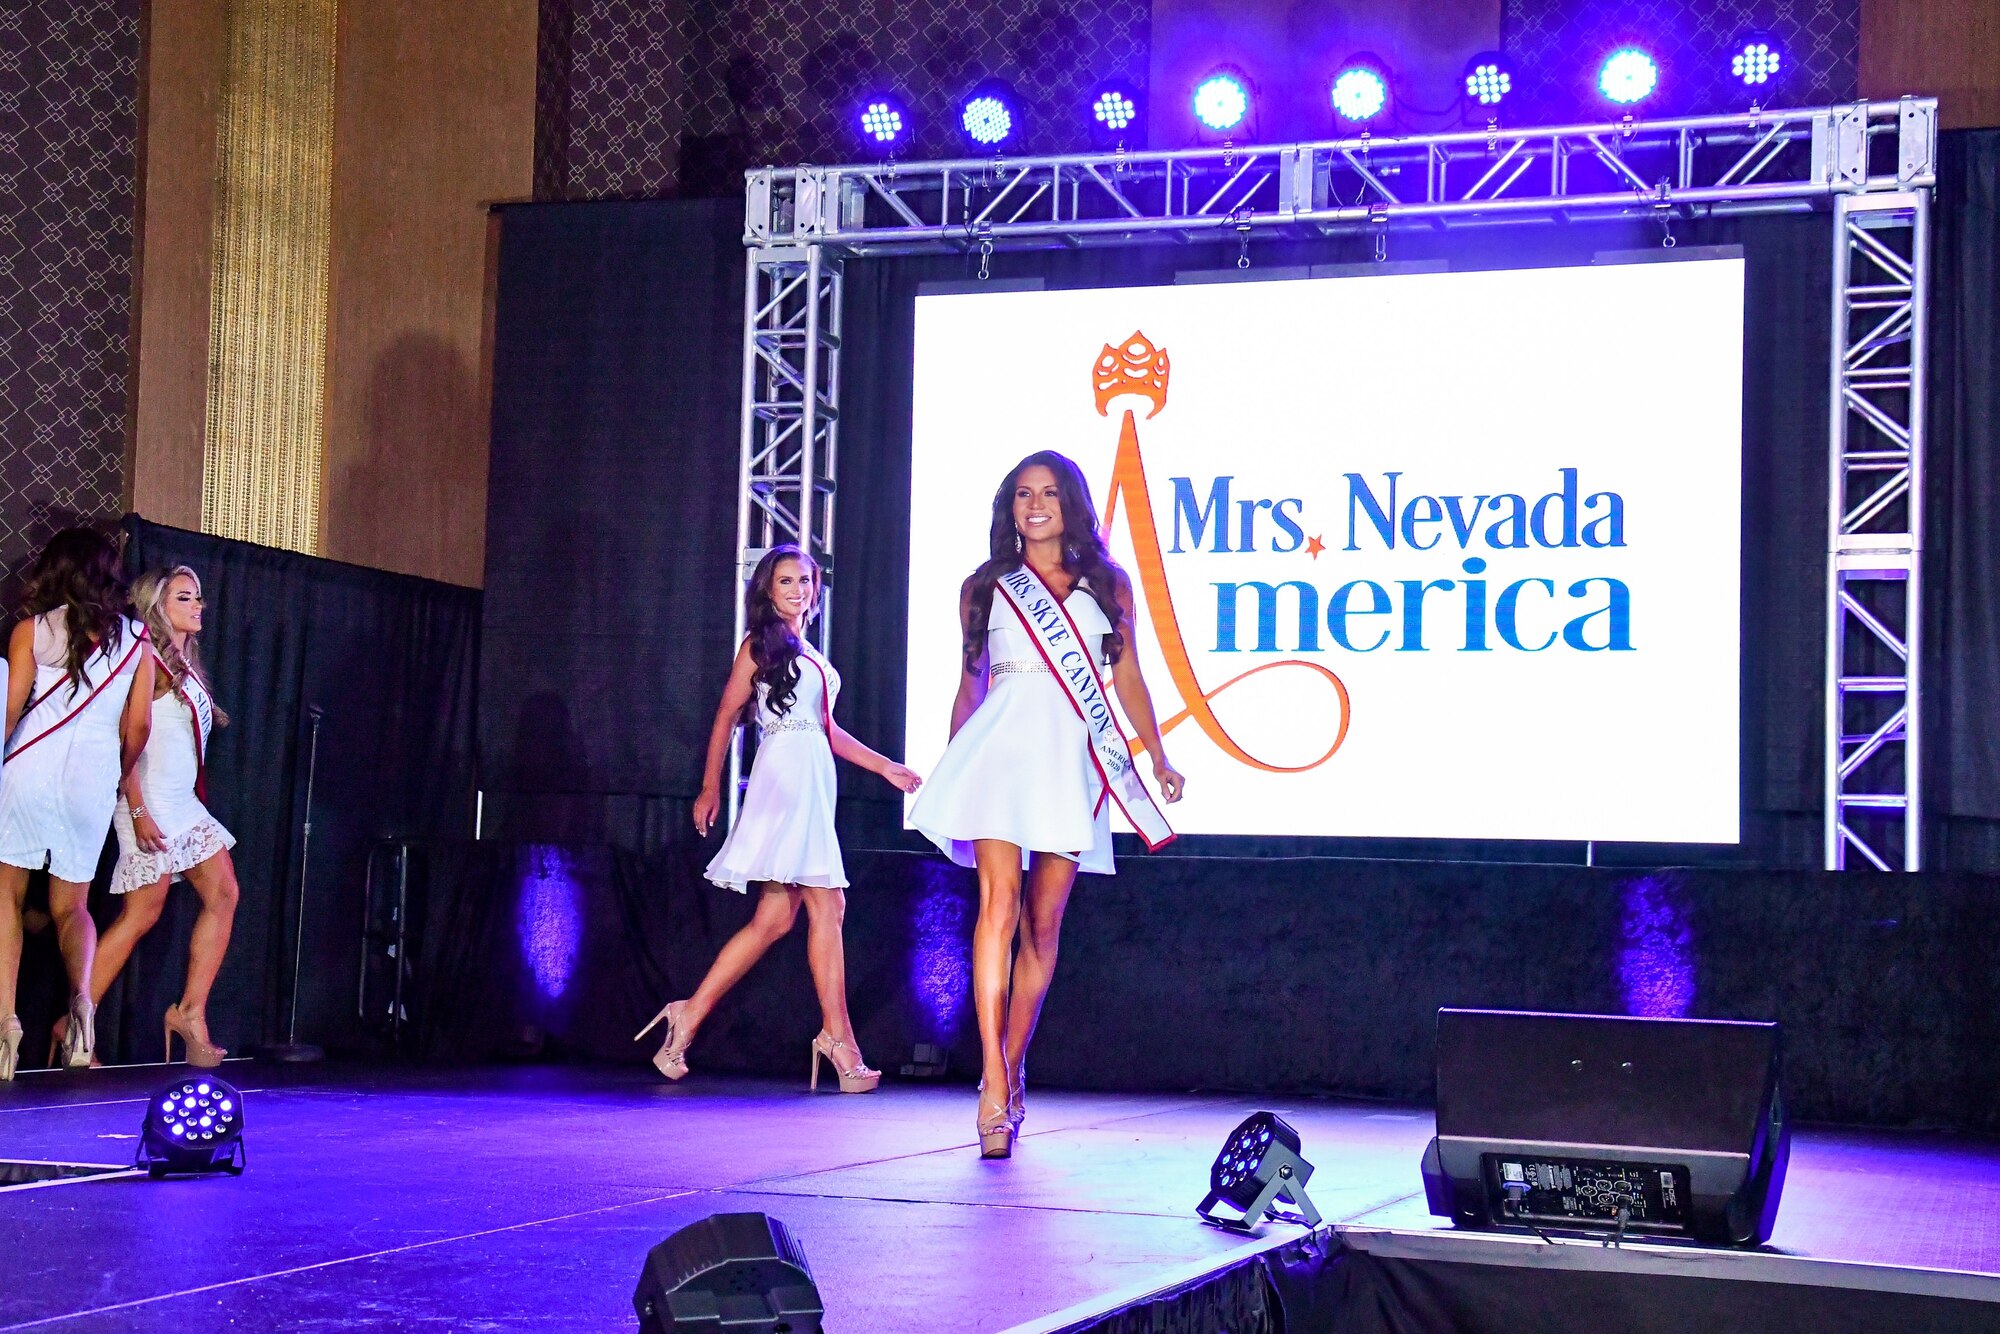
(1133,367)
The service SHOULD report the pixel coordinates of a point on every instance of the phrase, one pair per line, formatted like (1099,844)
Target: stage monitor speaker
(1656,1128)
(740,1273)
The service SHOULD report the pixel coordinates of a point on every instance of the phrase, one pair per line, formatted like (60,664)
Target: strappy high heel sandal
(857,1078)
(79,1040)
(1017,1098)
(10,1048)
(201,1053)
(671,1059)
(996,1132)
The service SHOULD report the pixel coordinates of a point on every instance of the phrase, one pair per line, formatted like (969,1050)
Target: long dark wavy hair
(79,572)
(1084,558)
(773,646)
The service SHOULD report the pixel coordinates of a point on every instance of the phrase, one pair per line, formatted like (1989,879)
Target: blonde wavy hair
(149,604)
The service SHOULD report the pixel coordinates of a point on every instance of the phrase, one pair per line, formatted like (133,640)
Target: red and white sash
(138,642)
(1074,663)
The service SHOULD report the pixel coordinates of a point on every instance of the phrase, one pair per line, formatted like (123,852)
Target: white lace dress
(168,769)
(1020,769)
(784,830)
(60,778)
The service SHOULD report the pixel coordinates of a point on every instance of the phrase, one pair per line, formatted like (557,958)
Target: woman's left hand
(902,777)
(1169,778)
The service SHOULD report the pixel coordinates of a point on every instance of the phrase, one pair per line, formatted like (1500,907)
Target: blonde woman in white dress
(784,841)
(1017,791)
(79,686)
(165,832)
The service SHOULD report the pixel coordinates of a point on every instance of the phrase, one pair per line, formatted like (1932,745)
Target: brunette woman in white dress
(1017,792)
(784,841)
(165,832)
(79,696)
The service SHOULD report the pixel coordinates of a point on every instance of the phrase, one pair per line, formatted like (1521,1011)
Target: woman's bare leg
(827,954)
(1050,879)
(138,911)
(215,881)
(13,893)
(999,865)
(777,909)
(76,934)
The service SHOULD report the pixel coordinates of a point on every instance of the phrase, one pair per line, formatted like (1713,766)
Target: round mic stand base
(292,1053)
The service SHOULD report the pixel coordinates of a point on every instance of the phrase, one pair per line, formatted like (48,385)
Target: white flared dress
(169,770)
(1020,768)
(784,830)
(60,778)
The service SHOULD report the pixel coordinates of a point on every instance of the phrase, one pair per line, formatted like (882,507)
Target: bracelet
(138,811)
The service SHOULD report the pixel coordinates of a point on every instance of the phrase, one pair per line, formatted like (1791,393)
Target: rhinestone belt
(1003,668)
(791,725)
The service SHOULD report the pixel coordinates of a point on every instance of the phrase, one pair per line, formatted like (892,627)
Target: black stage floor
(525,1198)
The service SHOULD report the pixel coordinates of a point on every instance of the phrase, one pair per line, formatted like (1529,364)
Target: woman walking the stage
(1036,756)
(79,690)
(164,829)
(784,841)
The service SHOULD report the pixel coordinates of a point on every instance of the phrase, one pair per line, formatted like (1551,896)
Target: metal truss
(1871,163)
(1757,162)
(1874,621)
(790,446)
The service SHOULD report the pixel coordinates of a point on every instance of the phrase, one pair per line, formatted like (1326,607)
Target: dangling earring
(1020,542)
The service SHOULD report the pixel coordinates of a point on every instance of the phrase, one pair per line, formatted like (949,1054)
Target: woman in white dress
(79,687)
(165,831)
(784,841)
(1017,792)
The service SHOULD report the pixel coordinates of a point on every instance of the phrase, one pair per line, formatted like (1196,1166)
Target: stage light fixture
(883,121)
(990,117)
(1758,60)
(193,1125)
(1360,91)
(1222,101)
(1628,76)
(1258,1166)
(1114,111)
(728,1272)
(1489,80)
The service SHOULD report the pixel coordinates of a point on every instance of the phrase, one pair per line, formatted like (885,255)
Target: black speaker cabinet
(1656,1128)
(740,1273)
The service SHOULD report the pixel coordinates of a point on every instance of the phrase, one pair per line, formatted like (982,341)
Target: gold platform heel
(10,1048)
(79,1040)
(857,1078)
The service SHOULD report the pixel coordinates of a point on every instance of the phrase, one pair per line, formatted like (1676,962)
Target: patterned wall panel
(68,172)
(681,97)
(1558,44)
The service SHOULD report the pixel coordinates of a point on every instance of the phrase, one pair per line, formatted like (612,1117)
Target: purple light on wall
(941,952)
(549,916)
(1656,964)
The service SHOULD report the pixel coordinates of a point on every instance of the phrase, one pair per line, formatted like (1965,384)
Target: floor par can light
(193,1126)
(1259,1166)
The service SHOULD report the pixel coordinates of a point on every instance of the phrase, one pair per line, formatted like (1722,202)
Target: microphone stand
(291,1049)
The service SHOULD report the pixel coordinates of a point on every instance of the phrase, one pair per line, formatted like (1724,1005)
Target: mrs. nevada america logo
(1383,514)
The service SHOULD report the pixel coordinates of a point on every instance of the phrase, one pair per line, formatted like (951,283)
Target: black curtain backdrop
(391,661)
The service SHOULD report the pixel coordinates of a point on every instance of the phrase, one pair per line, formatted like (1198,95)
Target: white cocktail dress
(784,830)
(56,793)
(1020,769)
(168,769)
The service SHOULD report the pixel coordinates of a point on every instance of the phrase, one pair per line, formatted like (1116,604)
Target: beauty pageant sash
(138,642)
(1074,663)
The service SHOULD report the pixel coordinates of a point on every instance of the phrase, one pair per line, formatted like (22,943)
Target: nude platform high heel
(996,1132)
(671,1059)
(857,1078)
(10,1048)
(202,1054)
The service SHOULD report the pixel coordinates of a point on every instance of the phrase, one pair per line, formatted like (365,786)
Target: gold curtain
(267,310)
